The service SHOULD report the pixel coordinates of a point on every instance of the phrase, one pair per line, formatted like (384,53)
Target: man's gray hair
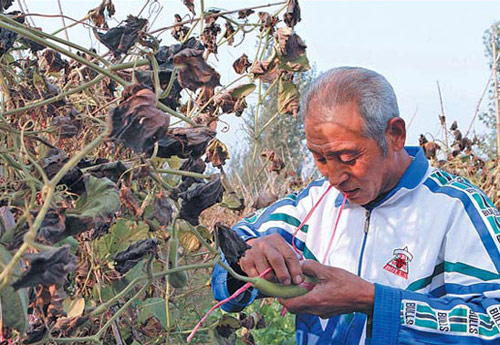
(371,91)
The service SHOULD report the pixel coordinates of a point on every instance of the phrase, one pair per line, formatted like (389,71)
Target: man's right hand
(272,251)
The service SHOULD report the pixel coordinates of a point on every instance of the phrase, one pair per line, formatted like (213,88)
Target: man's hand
(272,251)
(336,292)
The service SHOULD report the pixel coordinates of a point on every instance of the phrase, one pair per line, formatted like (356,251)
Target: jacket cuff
(386,318)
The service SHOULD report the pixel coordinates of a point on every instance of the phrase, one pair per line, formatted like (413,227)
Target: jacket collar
(410,179)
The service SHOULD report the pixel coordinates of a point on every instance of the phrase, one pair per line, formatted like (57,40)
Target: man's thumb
(310,267)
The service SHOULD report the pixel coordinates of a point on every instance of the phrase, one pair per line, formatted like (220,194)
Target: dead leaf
(162,209)
(292,13)
(242,14)
(209,37)
(199,198)
(136,122)
(230,243)
(185,142)
(47,268)
(67,326)
(194,72)
(266,71)
(53,60)
(241,64)
(277,163)
(179,31)
(190,5)
(54,161)
(291,46)
(228,34)
(288,96)
(130,201)
(97,16)
(217,153)
(268,21)
(121,38)
(127,259)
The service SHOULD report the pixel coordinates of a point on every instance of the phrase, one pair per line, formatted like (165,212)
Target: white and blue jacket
(431,246)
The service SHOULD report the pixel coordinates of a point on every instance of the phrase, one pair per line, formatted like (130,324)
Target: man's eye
(321,159)
(348,160)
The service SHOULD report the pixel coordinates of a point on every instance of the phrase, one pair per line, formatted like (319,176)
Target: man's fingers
(294,267)
(277,262)
(310,267)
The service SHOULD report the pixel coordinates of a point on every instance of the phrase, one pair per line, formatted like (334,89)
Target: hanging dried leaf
(32,45)
(217,153)
(288,96)
(454,126)
(264,199)
(97,16)
(7,37)
(430,149)
(209,37)
(162,209)
(185,142)
(422,140)
(242,14)
(53,61)
(194,72)
(230,243)
(179,31)
(121,38)
(111,170)
(47,268)
(228,34)
(35,333)
(291,46)
(130,201)
(292,13)
(277,163)
(53,228)
(127,259)
(136,122)
(199,198)
(193,165)
(95,208)
(241,64)
(65,327)
(268,21)
(233,100)
(190,5)
(54,161)
(266,71)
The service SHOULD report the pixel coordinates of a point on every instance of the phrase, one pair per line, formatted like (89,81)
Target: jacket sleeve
(460,302)
(283,217)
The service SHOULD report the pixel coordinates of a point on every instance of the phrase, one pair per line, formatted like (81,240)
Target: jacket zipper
(365,230)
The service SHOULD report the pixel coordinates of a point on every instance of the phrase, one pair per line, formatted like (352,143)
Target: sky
(414,44)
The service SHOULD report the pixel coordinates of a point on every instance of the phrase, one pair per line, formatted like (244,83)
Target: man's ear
(396,133)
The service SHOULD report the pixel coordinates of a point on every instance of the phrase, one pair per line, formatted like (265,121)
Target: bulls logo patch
(399,264)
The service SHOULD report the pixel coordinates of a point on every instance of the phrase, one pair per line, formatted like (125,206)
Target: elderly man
(404,253)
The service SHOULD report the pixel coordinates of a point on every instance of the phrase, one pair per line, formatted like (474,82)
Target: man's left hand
(336,292)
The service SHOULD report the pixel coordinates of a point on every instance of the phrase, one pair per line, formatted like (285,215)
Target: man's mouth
(350,193)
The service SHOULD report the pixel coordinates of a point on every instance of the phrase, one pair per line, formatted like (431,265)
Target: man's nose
(337,175)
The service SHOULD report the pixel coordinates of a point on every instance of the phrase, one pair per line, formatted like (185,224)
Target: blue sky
(413,44)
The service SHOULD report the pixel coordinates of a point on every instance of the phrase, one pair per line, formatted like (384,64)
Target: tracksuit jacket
(431,246)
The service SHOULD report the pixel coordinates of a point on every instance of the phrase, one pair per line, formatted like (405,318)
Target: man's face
(353,163)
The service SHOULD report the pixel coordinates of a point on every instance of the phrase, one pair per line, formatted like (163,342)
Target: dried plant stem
(443,121)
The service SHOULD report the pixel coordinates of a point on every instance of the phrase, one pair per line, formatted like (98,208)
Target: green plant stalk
(170,84)
(26,33)
(183,173)
(156,77)
(54,37)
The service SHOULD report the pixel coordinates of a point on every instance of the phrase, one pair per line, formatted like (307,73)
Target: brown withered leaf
(291,46)
(267,70)
(264,199)
(130,201)
(162,209)
(292,13)
(190,5)
(121,38)
(277,163)
(241,64)
(228,34)
(53,227)
(288,95)
(127,259)
(47,268)
(422,140)
(97,16)
(211,16)
(217,153)
(242,14)
(7,37)
(179,31)
(199,198)
(234,99)
(207,119)
(35,333)
(430,149)
(53,61)
(268,21)
(194,72)
(185,142)
(111,170)
(54,161)
(230,243)
(65,327)
(209,37)
(136,122)
(34,46)
(454,126)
